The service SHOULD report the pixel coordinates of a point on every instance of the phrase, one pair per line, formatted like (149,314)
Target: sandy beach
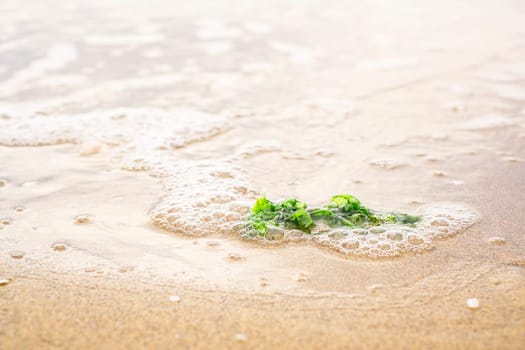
(134,140)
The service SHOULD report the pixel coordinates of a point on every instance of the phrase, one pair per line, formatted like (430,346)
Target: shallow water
(160,123)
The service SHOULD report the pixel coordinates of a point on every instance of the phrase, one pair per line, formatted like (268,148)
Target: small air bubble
(395,236)
(213,243)
(275,234)
(232,217)
(206,218)
(360,232)
(17,254)
(384,246)
(235,257)
(241,189)
(218,214)
(401,245)
(350,244)
(59,247)
(301,277)
(295,234)
(439,222)
(172,218)
(337,234)
(264,282)
(377,230)
(415,240)
(82,219)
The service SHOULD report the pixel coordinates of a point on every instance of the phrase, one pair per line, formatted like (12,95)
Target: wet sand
(113,126)
(110,288)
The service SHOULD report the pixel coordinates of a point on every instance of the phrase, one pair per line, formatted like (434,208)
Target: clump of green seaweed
(343,211)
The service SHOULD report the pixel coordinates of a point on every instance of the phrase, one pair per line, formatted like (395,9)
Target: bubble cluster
(203,197)
(388,240)
(200,196)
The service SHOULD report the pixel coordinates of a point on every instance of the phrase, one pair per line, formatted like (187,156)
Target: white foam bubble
(138,129)
(203,197)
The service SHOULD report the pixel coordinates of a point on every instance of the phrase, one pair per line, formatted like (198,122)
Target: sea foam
(203,196)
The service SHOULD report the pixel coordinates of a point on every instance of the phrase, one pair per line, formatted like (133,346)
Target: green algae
(343,210)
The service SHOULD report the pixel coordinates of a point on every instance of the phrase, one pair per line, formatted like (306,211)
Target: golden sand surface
(111,286)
